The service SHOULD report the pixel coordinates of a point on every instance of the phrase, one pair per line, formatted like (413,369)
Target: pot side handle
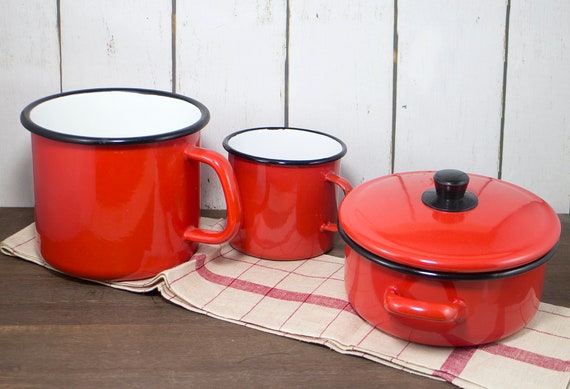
(346,187)
(453,311)
(224,171)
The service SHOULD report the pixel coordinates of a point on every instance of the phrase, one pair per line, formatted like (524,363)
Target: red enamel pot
(287,179)
(446,259)
(116,181)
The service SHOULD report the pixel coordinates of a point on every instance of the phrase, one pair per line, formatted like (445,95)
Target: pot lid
(448,221)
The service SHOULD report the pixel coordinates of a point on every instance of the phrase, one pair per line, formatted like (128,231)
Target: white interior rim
(285,144)
(115,114)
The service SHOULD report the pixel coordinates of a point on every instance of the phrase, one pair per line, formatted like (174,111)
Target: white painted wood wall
(320,64)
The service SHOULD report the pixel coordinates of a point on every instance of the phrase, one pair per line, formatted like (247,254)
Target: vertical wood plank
(231,57)
(450,73)
(116,43)
(537,112)
(340,78)
(29,70)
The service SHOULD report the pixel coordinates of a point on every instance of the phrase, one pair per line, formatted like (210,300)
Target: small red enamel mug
(116,181)
(287,179)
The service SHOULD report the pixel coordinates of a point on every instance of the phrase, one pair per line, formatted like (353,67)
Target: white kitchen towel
(306,300)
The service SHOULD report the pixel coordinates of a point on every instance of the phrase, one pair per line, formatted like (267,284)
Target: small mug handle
(225,173)
(345,186)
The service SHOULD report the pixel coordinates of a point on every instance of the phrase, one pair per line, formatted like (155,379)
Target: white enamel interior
(285,144)
(115,114)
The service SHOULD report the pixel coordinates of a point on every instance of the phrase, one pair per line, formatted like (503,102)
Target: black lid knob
(450,193)
(450,184)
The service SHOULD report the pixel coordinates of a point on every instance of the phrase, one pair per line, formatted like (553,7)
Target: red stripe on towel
(280,294)
(460,357)
(24,243)
(525,356)
(455,363)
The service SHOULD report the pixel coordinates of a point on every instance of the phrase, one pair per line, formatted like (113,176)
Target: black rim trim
(44,132)
(444,275)
(254,158)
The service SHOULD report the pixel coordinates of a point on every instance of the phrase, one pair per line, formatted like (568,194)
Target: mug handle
(227,178)
(345,186)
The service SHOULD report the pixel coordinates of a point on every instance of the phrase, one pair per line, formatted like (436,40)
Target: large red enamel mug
(287,179)
(116,181)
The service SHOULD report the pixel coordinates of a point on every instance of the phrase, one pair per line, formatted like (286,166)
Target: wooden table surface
(60,332)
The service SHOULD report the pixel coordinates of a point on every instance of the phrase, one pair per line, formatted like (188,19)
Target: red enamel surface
(289,211)
(509,227)
(441,312)
(122,212)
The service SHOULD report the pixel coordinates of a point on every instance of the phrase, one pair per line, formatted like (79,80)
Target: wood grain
(340,79)
(318,64)
(536,154)
(57,331)
(450,71)
(231,57)
(123,43)
(29,70)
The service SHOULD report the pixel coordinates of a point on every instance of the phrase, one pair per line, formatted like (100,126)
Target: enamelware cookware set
(442,258)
